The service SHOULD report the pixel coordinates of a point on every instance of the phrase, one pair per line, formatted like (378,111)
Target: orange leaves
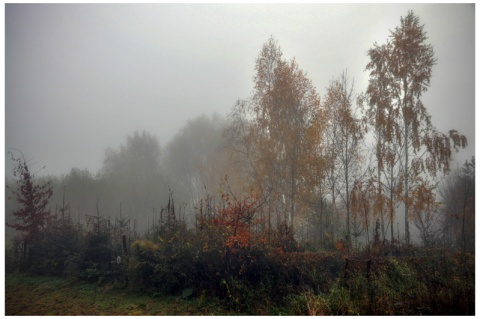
(233,222)
(458,139)
(400,72)
(342,246)
(361,201)
(422,197)
(285,127)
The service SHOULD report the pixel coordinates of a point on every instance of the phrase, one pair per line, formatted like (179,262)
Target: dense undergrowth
(431,284)
(258,280)
(228,258)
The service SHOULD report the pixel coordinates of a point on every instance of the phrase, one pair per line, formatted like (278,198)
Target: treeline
(231,254)
(226,253)
(135,178)
(330,167)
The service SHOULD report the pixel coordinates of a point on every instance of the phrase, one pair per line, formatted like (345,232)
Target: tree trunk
(465,200)
(380,198)
(391,214)
(407,230)
(347,196)
(24,259)
(292,191)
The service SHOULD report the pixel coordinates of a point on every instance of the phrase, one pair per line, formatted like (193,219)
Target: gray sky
(80,78)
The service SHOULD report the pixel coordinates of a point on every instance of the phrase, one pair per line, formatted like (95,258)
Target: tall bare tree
(344,134)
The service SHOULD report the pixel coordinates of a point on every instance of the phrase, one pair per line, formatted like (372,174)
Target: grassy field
(31,296)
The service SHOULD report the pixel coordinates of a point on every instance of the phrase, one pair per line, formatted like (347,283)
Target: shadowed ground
(35,296)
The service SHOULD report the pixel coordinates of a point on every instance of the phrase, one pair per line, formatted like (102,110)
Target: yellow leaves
(422,197)
(400,72)
(144,248)
(286,126)
(361,198)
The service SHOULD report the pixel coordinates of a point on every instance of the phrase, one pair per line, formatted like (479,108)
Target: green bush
(315,271)
(336,302)
(48,253)
(449,279)
(144,256)
(397,286)
(167,266)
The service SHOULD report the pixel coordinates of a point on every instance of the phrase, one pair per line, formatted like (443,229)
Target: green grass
(25,295)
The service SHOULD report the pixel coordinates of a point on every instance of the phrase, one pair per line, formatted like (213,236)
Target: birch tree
(281,111)
(345,132)
(400,72)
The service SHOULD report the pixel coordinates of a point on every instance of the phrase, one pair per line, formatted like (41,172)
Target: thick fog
(80,78)
(89,88)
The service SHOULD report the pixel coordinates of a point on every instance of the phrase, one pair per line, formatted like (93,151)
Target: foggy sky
(80,78)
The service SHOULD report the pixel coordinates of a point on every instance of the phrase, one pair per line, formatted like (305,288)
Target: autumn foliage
(306,219)
(234,222)
(34,214)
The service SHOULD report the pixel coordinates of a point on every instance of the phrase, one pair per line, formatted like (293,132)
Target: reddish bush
(232,224)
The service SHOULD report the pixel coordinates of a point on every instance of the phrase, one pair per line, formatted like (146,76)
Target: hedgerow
(227,256)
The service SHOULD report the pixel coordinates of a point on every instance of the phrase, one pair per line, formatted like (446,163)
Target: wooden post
(24,253)
(345,268)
